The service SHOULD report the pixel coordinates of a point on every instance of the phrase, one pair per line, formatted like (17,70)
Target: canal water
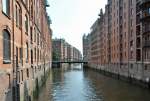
(75,84)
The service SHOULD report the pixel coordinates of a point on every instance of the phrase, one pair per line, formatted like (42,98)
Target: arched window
(6,6)
(18,15)
(6,47)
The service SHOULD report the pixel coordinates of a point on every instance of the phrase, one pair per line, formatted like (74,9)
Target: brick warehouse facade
(25,48)
(63,51)
(123,39)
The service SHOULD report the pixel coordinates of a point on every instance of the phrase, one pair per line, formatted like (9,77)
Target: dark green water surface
(75,84)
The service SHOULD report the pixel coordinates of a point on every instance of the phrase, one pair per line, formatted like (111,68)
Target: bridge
(57,63)
(70,62)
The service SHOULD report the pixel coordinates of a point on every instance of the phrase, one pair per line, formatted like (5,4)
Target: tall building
(119,39)
(95,44)
(25,48)
(86,47)
(144,8)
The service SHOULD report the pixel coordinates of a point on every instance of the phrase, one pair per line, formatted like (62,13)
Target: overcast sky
(72,18)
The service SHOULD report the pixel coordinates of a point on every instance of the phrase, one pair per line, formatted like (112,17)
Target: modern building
(25,48)
(119,39)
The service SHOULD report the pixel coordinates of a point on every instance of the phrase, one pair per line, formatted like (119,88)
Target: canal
(75,84)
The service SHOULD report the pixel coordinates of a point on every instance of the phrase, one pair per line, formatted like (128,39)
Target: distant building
(63,51)
(86,47)
(58,49)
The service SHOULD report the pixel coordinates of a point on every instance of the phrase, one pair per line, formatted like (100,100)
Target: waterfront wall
(134,74)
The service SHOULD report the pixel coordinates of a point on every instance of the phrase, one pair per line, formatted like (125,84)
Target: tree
(56,56)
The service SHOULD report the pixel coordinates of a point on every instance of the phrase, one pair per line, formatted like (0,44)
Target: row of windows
(7,49)
(6,34)
(18,13)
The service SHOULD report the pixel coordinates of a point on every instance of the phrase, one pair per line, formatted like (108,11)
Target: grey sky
(72,18)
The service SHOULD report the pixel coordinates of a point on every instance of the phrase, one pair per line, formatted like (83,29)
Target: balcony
(146,43)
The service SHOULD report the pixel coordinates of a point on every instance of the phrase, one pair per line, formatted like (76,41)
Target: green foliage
(56,56)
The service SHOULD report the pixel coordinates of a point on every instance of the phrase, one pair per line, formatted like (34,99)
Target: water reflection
(74,84)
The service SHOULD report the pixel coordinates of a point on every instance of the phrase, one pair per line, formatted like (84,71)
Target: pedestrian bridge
(70,62)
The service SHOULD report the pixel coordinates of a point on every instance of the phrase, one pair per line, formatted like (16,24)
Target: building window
(31,36)
(16,15)
(21,55)
(20,17)
(22,74)
(28,73)
(34,35)
(31,12)
(6,6)
(26,23)
(38,39)
(6,47)
(35,53)
(27,52)
(31,57)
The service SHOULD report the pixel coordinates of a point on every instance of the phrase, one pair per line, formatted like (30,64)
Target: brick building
(25,48)
(95,44)
(63,51)
(121,45)
(58,49)
(144,8)
(86,47)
